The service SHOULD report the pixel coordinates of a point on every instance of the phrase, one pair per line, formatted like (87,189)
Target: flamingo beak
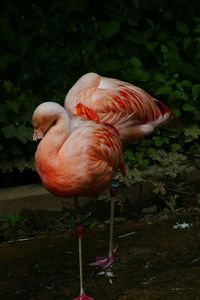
(38,134)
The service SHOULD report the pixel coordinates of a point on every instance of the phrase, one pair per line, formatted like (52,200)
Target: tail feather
(165,109)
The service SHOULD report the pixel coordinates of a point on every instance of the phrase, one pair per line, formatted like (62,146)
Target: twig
(125,235)
(181,192)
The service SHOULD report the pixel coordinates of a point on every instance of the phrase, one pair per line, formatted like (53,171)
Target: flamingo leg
(79,232)
(112,213)
(101,261)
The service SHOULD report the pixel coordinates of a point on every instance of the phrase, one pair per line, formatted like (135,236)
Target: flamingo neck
(55,136)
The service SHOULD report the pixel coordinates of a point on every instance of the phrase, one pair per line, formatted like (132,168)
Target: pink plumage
(132,111)
(76,157)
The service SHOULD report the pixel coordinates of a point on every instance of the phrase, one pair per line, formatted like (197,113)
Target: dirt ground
(155,261)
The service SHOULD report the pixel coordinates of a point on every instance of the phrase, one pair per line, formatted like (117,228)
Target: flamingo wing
(119,103)
(81,162)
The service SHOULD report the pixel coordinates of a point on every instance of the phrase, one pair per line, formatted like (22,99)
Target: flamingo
(75,157)
(130,109)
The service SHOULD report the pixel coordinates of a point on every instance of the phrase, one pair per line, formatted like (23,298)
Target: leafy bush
(47,45)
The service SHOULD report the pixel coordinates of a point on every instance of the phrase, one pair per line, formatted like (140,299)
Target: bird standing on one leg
(131,110)
(76,157)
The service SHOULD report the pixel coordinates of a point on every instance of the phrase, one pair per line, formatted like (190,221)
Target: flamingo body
(132,111)
(76,157)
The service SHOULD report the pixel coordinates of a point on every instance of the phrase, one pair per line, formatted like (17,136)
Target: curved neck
(56,135)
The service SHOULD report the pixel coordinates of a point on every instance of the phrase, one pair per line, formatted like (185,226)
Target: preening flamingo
(132,111)
(76,157)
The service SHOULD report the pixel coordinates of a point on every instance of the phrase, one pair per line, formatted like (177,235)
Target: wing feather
(118,103)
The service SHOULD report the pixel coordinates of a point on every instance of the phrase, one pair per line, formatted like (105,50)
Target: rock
(149,210)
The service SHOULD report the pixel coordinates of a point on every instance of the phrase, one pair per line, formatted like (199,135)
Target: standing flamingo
(131,110)
(76,157)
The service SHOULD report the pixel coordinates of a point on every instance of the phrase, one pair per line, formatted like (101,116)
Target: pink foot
(104,262)
(83,296)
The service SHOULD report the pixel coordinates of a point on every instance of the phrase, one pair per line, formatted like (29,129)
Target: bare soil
(154,261)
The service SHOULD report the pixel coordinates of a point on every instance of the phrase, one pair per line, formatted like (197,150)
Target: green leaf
(188,107)
(186,83)
(151,46)
(164,48)
(176,147)
(186,42)
(136,3)
(141,75)
(135,175)
(197,27)
(146,35)
(193,131)
(159,77)
(20,164)
(6,166)
(109,29)
(196,91)
(128,155)
(7,60)
(21,132)
(8,85)
(160,140)
(164,90)
(160,188)
(177,112)
(110,65)
(13,218)
(197,40)
(168,15)
(171,81)
(135,62)
(77,5)
(179,86)
(182,27)
(151,23)
(13,106)
(179,95)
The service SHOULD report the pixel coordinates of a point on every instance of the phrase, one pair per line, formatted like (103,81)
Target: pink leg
(83,296)
(105,262)
(79,232)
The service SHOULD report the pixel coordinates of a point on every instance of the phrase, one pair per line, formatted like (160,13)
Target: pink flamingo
(76,157)
(131,110)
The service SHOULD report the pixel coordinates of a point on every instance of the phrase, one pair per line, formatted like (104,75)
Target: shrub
(47,45)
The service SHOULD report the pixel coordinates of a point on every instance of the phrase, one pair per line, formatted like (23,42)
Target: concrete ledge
(33,197)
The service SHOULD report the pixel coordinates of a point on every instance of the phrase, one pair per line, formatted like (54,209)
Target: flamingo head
(44,117)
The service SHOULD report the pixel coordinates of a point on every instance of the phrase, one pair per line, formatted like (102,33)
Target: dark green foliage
(16,227)
(47,45)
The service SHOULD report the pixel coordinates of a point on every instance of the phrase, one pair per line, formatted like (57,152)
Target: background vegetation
(47,45)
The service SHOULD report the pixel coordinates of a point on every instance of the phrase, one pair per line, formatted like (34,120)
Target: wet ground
(155,261)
